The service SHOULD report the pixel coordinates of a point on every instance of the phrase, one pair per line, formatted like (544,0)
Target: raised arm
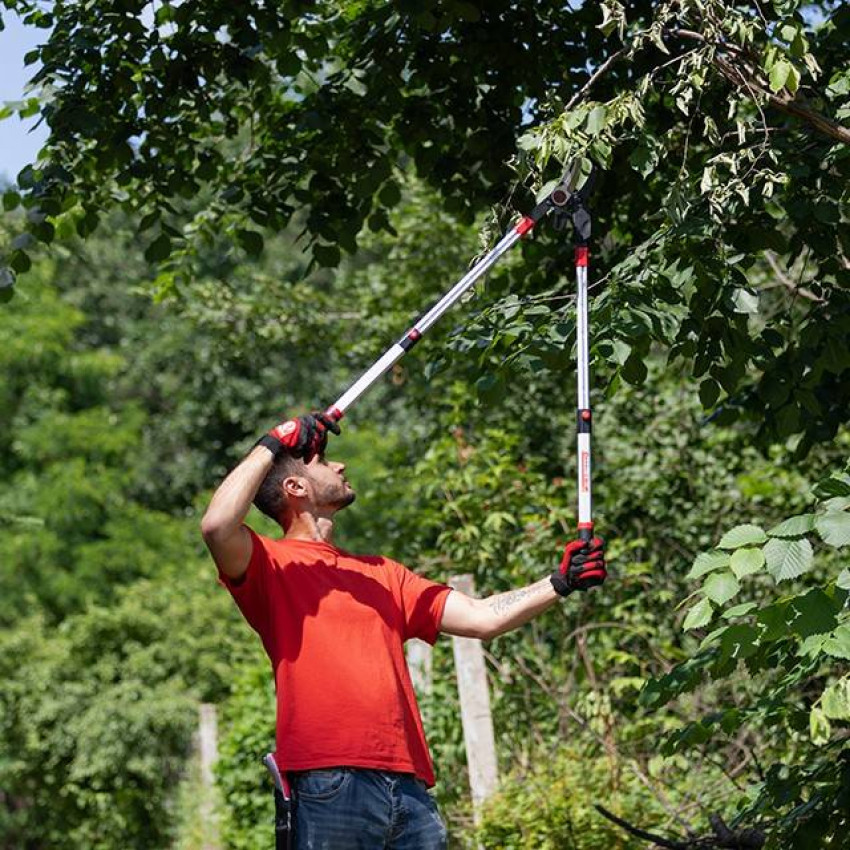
(222,525)
(225,535)
(582,567)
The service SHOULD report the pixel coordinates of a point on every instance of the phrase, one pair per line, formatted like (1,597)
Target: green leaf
(709,390)
(838,484)
(707,562)
(634,369)
(596,120)
(742,535)
(835,701)
(326,255)
(843,580)
(20,262)
(698,616)
(289,65)
(745,562)
(836,504)
(779,74)
(795,526)
(788,559)
(739,641)
(159,249)
(11,200)
(739,610)
(838,643)
(792,83)
(390,194)
(834,528)
(820,729)
(250,241)
(721,587)
(810,614)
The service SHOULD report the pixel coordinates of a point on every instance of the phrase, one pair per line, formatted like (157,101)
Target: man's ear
(295,486)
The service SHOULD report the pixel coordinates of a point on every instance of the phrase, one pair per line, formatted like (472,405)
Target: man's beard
(347,499)
(339,500)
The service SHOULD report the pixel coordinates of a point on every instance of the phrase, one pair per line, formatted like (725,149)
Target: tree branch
(594,77)
(723,838)
(657,840)
(784,101)
(789,284)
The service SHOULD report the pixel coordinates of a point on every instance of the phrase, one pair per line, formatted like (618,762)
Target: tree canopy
(239,204)
(718,126)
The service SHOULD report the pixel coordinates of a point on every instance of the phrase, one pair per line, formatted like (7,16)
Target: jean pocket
(322,784)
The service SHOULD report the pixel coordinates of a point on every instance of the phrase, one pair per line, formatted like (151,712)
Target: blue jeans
(344,808)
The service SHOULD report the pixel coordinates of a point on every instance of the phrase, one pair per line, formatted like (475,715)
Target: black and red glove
(305,436)
(582,567)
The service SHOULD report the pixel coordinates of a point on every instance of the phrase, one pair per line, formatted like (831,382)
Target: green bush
(246,734)
(550,807)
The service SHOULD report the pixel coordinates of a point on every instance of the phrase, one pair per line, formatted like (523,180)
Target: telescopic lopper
(568,202)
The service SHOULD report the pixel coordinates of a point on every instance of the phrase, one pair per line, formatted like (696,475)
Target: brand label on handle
(584,478)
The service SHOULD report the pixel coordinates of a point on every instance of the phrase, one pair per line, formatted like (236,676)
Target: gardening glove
(305,436)
(582,567)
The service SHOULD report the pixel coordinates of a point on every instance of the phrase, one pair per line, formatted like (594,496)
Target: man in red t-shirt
(349,734)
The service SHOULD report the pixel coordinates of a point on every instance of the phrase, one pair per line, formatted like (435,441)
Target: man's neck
(309,527)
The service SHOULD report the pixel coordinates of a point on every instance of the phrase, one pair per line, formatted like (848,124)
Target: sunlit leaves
(787,559)
(698,616)
(742,535)
(794,526)
(745,562)
(707,562)
(820,729)
(835,701)
(834,528)
(721,587)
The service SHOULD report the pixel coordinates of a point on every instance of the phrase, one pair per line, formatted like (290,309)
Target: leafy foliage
(719,125)
(546,807)
(797,646)
(97,721)
(250,150)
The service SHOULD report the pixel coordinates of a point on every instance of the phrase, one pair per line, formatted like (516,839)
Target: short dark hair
(270,498)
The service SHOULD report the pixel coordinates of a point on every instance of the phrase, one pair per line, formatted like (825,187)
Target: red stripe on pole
(414,335)
(334,413)
(581,255)
(525,225)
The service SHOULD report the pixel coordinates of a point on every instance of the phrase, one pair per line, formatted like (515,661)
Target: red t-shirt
(334,626)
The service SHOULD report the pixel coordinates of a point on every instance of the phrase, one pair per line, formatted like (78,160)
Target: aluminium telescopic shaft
(556,199)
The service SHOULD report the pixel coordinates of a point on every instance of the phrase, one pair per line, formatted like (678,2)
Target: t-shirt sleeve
(250,591)
(422,602)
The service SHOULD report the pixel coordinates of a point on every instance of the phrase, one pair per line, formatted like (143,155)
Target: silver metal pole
(395,352)
(584,417)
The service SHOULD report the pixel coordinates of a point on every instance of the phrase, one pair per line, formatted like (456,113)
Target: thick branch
(657,840)
(784,101)
(723,838)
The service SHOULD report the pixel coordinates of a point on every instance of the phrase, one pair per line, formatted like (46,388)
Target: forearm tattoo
(504,602)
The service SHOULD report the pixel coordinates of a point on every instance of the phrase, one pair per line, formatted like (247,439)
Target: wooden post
(419,662)
(475,710)
(208,754)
